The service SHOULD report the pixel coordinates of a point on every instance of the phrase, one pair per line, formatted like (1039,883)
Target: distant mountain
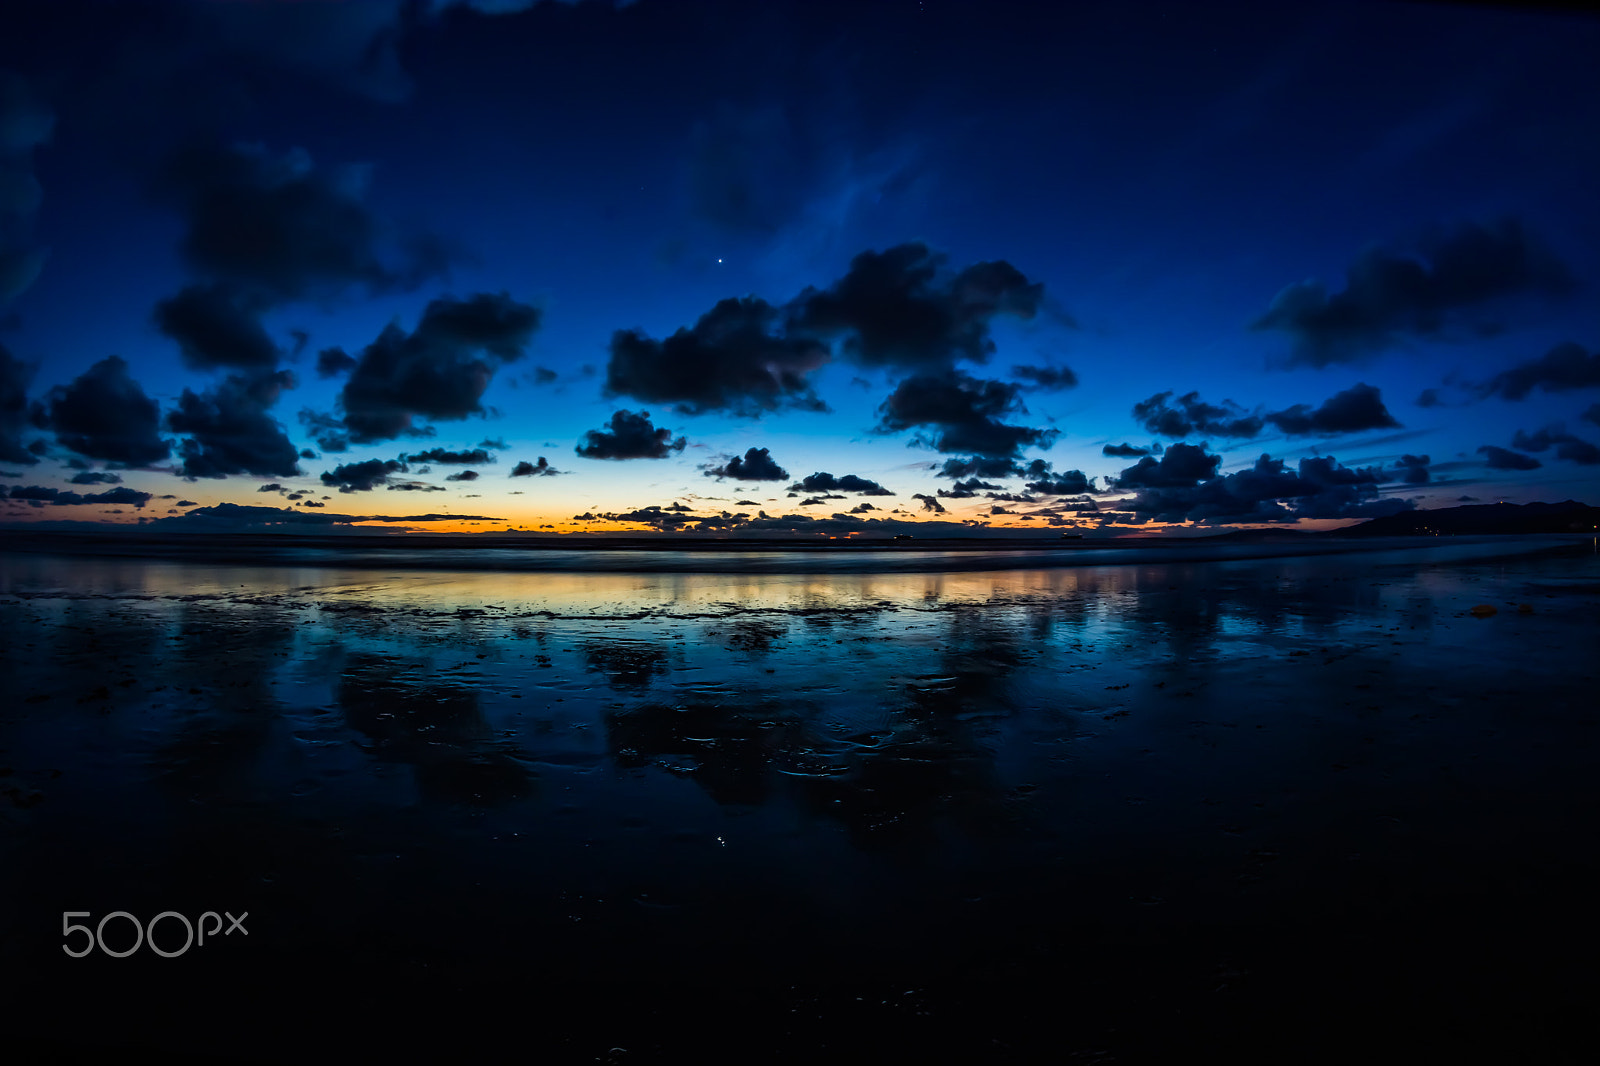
(1568,516)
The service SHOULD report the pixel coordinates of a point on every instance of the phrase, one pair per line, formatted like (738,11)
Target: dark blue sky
(1115,267)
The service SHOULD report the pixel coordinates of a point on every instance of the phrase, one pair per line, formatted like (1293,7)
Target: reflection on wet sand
(789,774)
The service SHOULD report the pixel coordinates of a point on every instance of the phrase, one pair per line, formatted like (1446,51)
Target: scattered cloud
(104,414)
(755,465)
(631,436)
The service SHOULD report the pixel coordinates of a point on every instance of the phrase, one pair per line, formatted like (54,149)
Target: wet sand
(1103,811)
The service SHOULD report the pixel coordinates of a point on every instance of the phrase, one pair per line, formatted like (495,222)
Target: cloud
(930,503)
(331,362)
(631,436)
(232,516)
(1562,369)
(755,465)
(40,495)
(440,370)
(979,466)
(1592,414)
(1390,295)
(465,475)
(230,431)
(1573,449)
(825,482)
(90,477)
(1266,492)
(1063,483)
(963,411)
(361,477)
(892,309)
(1505,459)
(730,361)
(965,490)
(1415,468)
(1428,398)
(1193,415)
(327,430)
(541,469)
(25,124)
(862,508)
(217,326)
(1049,378)
(1180,466)
(280,230)
(472,457)
(14,378)
(1357,408)
(104,414)
(1124,451)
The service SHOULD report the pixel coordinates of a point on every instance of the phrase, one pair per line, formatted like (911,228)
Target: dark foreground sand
(1274,808)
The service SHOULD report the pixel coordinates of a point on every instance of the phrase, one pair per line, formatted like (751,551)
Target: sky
(779,268)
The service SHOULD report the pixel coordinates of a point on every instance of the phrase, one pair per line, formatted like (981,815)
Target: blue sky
(1292,220)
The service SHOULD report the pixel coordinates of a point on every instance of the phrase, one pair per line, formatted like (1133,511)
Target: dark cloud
(472,457)
(1429,398)
(409,486)
(218,326)
(327,430)
(494,444)
(1193,415)
(439,370)
(1124,451)
(230,431)
(730,361)
(331,362)
(1573,449)
(233,516)
(965,490)
(1562,369)
(1357,408)
(1592,414)
(105,415)
(979,466)
(930,503)
(825,482)
(361,477)
(89,477)
(755,465)
(862,508)
(1389,295)
(307,453)
(1046,377)
(1181,466)
(540,469)
(1415,468)
(39,495)
(1064,483)
(632,436)
(1506,459)
(280,229)
(14,378)
(893,309)
(1267,492)
(963,412)
(271,486)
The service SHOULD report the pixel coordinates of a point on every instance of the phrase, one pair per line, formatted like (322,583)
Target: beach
(1119,803)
